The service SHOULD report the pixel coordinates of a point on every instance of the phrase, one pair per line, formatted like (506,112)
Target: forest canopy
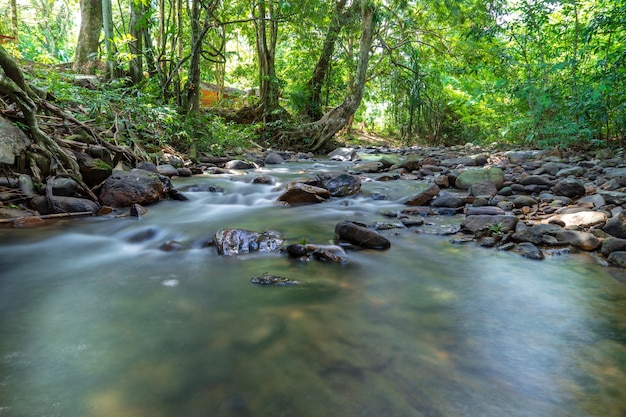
(297,72)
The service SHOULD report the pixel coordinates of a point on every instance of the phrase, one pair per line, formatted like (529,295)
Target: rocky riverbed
(529,201)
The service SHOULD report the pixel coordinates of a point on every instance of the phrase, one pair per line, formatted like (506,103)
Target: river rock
(359,235)
(472,176)
(483,188)
(581,218)
(485,210)
(12,142)
(613,197)
(530,251)
(147,166)
(539,234)
(63,186)
(64,205)
(300,193)
(618,174)
(535,180)
(575,171)
(327,255)
(344,154)
(612,244)
(412,165)
(297,250)
(448,200)
(474,223)
(616,226)
(569,187)
(239,164)
(167,169)
(274,158)
(137,210)
(618,258)
(123,189)
(339,185)
(369,167)
(230,242)
(582,240)
(263,179)
(424,197)
(523,201)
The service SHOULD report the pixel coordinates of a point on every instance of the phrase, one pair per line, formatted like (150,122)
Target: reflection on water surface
(95,323)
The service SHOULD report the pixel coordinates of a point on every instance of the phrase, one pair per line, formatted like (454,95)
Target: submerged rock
(273,280)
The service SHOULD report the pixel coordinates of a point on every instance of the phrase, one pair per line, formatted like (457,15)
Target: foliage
(534,73)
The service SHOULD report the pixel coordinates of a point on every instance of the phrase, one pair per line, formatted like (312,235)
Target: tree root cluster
(48,156)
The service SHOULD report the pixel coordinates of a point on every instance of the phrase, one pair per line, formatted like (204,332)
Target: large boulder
(123,189)
(359,235)
(230,242)
(473,176)
(12,141)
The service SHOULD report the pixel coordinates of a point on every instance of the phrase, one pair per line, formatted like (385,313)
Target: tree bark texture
(88,36)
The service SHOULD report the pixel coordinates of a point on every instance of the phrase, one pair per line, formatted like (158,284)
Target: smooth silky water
(97,321)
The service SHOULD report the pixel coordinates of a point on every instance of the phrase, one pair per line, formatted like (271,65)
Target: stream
(97,321)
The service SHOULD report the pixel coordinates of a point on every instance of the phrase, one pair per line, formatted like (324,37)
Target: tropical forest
(313,208)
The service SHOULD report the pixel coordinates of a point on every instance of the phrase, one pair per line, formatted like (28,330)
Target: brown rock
(424,197)
(361,236)
(299,193)
(123,189)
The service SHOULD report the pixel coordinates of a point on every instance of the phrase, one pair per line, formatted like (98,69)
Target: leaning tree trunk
(332,122)
(313,106)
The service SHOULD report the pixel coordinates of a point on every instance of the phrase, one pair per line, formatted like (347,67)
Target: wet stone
(530,251)
(272,280)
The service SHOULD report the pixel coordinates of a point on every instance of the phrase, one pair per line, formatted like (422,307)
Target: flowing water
(97,321)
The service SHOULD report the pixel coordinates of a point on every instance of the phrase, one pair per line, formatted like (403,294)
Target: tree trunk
(88,36)
(266,38)
(335,120)
(107,20)
(136,45)
(14,21)
(313,107)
